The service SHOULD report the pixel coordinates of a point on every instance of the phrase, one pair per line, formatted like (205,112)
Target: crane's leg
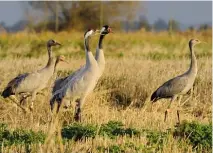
(32,101)
(59,105)
(179,100)
(191,94)
(13,98)
(168,108)
(77,116)
(23,99)
(79,104)
(178,110)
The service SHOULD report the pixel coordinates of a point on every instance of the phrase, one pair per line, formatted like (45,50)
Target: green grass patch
(115,128)
(78,131)
(19,136)
(195,134)
(198,135)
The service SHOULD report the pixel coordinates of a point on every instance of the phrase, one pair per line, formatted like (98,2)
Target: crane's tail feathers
(7,92)
(154,97)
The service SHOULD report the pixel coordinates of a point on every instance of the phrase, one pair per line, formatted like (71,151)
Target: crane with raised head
(179,85)
(32,83)
(99,56)
(78,85)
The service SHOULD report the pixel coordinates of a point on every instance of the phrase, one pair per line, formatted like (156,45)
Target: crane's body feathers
(181,84)
(36,81)
(176,86)
(77,85)
(13,84)
(30,82)
(59,83)
(82,82)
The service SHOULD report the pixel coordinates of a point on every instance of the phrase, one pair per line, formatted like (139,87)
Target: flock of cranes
(78,85)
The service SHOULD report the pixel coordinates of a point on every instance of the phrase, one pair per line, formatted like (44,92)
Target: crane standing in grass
(34,82)
(79,84)
(179,85)
(60,83)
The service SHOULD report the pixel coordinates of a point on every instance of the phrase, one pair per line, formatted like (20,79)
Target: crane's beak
(96,32)
(63,60)
(204,42)
(56,43)
(110,30)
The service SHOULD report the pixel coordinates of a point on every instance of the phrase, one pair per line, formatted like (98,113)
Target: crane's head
(105,30)
(193,42)
(61,58)
(89,33)
(52,42)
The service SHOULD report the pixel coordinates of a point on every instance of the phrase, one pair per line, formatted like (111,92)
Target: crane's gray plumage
(170,88)
(13,84)
(181,84)
(61,85)
(33,82)
(58,84)
(99,56)
(79,84)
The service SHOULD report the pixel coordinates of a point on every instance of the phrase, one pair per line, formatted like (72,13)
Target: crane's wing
(61,86)
(170,88)
(13,84)
(59,83)
(17,80)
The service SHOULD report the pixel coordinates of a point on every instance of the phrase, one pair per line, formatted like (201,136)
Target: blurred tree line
(77,15)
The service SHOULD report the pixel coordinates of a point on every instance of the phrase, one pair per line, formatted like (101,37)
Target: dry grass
(124,90)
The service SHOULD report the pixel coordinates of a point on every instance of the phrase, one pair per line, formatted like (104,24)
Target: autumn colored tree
(80,15)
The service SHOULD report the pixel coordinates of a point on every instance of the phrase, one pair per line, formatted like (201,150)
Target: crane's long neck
(86,44)
(48,70)
(50,58)
(56,63)
(100,41)
(99,56)
(89,56)
(193,65)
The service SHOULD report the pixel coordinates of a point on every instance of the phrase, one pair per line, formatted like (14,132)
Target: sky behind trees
(188,13)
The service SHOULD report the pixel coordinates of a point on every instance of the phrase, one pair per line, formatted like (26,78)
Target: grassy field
(117,116)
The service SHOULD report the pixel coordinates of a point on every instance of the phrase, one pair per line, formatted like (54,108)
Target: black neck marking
(100,43)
